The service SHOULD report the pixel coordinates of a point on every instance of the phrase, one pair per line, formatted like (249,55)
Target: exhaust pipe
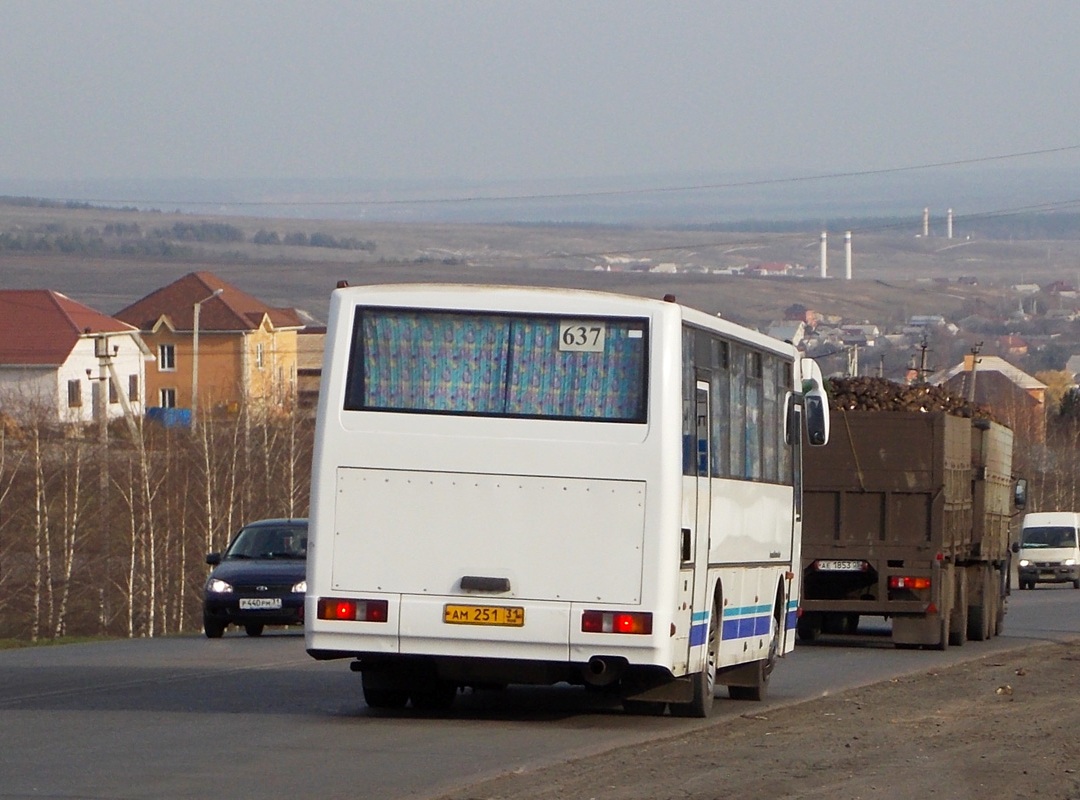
(602,672)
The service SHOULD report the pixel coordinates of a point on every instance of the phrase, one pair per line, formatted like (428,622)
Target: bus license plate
(839,566)
(512,616)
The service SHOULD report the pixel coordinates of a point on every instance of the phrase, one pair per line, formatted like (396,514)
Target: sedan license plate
(511,616)
(839,566)
(260,603)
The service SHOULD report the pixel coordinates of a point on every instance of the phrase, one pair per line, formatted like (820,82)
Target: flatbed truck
(907,517)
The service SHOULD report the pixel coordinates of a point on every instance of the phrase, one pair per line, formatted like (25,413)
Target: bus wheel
(434,696)
(704,681)
(383,693)
(765,668)
(644,708)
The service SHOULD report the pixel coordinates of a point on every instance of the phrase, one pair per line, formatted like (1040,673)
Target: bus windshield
(504,365)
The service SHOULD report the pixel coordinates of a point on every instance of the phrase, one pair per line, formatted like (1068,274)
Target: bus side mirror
(1020,493)
(817,418)
(1015,547)
(815,403)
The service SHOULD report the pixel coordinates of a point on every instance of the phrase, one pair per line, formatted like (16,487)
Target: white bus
(526,485)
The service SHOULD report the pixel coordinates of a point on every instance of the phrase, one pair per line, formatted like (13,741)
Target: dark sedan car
(259,580)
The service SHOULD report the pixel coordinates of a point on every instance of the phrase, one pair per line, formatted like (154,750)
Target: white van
(1049,549)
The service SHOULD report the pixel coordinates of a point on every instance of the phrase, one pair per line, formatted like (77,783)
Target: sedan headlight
(1070,562)
(1024,562)
(300,588)
(218,586)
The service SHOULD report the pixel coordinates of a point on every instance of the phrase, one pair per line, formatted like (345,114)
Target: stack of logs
(866,393)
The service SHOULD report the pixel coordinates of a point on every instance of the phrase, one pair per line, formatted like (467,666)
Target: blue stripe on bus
(699,634)
(747,621)
(740,623)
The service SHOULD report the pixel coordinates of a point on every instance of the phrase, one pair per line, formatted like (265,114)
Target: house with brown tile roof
(1018,398)
(218,343)
(57,356)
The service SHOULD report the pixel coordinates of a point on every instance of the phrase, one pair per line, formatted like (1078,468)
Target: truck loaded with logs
(906,516)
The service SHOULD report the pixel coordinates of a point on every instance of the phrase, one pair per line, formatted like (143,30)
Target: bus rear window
(559,367)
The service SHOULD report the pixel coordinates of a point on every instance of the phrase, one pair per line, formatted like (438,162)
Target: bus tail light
(353,610)
(903,582)
(639,622)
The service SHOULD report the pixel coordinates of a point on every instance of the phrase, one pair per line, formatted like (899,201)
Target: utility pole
(974,364)
(924,349)
(196,310)
(100,396)
(853,361)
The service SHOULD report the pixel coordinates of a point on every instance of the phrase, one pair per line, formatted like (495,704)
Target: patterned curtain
(495,364)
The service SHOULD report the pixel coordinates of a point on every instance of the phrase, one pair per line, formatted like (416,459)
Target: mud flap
(931,630)
(658,689)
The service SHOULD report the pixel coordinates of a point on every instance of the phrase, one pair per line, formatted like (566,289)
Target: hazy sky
(522,89)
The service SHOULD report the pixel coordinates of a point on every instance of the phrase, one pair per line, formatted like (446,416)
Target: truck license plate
(511,616)
(839,566)
(263,603)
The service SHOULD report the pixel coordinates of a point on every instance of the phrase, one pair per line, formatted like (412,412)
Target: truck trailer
(907,517)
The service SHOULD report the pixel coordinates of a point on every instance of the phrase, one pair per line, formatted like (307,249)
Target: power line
(584,194)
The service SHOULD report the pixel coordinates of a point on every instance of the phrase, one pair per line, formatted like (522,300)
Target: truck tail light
(616,622)
(901,582)
(353,610)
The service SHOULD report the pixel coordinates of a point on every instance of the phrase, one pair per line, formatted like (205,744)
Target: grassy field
(896,274)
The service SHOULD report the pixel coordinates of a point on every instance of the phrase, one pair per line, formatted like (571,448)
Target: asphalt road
(188,717)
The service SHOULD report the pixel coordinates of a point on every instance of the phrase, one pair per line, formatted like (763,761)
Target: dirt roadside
(1003,726)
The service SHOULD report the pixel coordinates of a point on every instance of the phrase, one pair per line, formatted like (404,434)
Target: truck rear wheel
(808,627)
(958,618)
(981,614)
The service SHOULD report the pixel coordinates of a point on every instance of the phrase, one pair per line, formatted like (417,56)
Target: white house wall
(127,361)
(26,388)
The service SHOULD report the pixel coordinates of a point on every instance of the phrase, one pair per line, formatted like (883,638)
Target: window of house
(259,355)
(133,388)
(74,394)
(168,398)
(166,358)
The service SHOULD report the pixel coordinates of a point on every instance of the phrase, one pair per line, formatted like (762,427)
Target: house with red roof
(216,346)
(1016,397)
(66,361)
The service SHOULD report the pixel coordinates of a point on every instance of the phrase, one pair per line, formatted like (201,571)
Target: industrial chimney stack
(948,224)
(926,222)
(847,256)
(824,255)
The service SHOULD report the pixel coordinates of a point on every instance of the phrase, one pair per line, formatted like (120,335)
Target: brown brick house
(247,351)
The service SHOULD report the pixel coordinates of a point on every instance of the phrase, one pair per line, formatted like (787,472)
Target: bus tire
(704,681)
(382,693)
(434,696)
(644,708)
(765,667)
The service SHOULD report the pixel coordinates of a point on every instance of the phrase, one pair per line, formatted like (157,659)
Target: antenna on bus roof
(342,284)
(669,298)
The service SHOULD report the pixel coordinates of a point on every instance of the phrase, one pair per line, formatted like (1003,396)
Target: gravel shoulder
(1003,726)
